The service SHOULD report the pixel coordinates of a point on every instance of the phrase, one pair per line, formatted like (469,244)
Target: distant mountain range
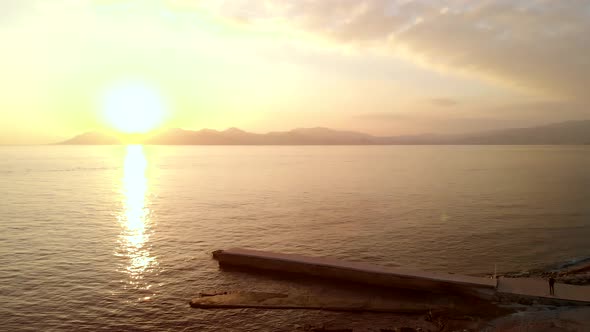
(564,133)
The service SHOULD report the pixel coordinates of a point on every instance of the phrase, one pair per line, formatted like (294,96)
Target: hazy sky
(384,67)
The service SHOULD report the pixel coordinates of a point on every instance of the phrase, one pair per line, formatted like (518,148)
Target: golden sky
(385,67)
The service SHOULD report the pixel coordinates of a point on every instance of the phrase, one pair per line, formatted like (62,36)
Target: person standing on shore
(551,285)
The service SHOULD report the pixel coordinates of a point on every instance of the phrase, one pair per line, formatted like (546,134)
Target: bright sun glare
(133,107)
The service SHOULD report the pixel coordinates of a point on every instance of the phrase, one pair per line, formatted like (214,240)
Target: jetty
(513,289)
(364,273)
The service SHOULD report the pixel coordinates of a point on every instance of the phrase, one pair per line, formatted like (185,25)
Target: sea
(119,238)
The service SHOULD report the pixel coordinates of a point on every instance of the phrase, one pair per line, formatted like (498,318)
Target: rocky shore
(574,273)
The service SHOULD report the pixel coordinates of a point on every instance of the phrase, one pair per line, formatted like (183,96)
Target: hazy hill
(319,136)
(234,136)
(92,138)
(571,132)
(563,133)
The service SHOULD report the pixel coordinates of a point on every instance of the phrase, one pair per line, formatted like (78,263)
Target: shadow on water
(339,288)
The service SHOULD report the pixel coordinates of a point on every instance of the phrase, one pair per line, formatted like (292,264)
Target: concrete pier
(513,289)
(393,277)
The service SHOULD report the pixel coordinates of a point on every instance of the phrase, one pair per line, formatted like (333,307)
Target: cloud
(12,8)
(443,102)
(464,119)
(381,116)
(540,45)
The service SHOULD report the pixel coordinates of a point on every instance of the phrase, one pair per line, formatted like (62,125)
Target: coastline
(539,317)
(572,272)
(515,306)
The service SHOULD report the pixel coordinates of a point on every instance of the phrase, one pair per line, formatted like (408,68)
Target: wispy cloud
(443,102)
(463,119)
(382,116)
(541,45)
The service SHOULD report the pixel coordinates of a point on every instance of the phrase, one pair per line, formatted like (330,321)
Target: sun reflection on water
(135,218)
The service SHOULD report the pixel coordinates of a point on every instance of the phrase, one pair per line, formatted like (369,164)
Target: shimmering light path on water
(120,237)
(136,224)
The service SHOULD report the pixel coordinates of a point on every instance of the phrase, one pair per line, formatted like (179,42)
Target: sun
(133,107)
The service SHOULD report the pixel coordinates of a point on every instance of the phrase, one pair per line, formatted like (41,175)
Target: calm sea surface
(119,238)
